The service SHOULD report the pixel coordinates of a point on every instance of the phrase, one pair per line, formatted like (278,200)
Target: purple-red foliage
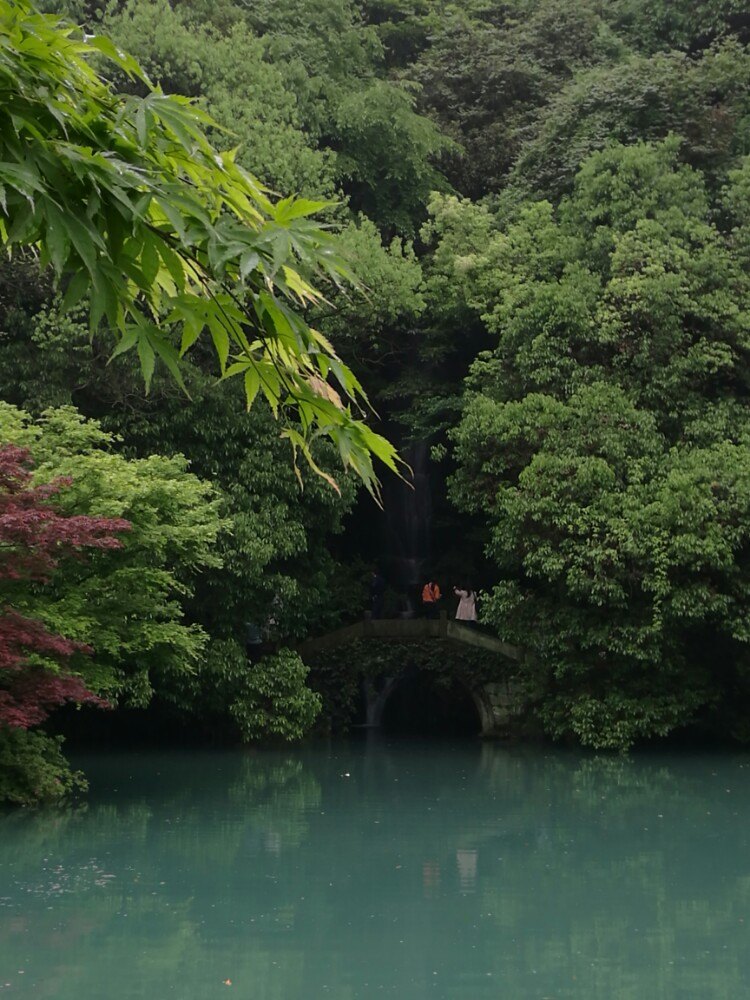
(33,538)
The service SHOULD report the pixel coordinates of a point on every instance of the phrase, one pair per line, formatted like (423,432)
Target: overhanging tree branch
(135,211)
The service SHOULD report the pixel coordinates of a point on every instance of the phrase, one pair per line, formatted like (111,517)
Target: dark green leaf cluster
(607,439)
(33,769)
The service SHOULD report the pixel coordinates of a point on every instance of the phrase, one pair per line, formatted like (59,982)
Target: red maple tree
(34,536)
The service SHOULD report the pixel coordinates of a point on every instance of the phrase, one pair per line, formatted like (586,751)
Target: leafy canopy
(128,606)
(606,440)
(127,201)
(34,537)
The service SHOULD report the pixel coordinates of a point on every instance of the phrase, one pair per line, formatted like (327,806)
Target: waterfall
(408,522)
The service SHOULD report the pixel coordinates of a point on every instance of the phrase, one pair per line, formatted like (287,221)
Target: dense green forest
(546,210)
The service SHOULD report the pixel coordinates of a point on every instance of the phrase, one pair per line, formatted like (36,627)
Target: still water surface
(373,869)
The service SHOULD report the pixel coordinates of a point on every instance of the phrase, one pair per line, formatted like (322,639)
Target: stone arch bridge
(497,703)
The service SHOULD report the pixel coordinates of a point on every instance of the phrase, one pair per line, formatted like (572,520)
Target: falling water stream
(408,522)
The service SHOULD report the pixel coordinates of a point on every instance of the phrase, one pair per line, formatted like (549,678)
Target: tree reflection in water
(453,870)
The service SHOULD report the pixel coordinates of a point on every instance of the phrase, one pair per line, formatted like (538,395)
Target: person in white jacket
(466,611)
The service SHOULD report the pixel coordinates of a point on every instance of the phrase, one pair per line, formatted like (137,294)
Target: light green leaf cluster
(126,200)
(274,701)
(276,559)
(127,604)
(391,277)
(228,72)
(395,179)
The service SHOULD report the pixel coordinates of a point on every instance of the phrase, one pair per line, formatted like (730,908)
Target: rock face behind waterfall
(408,525)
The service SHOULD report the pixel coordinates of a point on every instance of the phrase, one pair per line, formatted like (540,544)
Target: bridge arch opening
(422,705)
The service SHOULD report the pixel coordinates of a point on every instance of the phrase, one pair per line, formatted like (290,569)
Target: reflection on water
(467,868)
(367,869)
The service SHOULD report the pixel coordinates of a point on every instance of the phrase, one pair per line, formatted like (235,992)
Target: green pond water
(371,868)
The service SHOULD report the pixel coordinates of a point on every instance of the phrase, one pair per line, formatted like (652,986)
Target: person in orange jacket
(431,599)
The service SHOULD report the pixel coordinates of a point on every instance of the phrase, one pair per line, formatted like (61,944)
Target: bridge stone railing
(411,630)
